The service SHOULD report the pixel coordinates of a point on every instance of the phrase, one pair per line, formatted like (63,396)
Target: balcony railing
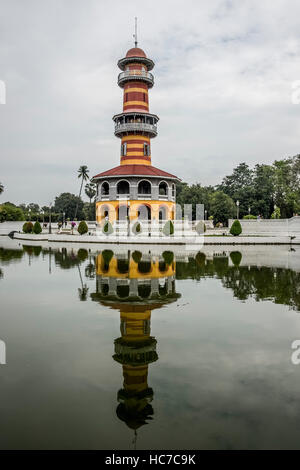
(135,126)
(136,75)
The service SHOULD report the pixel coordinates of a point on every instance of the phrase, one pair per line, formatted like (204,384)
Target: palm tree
(1,188)
(90,191)
(83,174)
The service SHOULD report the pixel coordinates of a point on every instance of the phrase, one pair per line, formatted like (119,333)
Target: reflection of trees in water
(280,285)
(69,260)
(6,256)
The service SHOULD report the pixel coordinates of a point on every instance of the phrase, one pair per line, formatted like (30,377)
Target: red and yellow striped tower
(136,81)
(135,180)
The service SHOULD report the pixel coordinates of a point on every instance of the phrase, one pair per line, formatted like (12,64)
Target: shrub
(236,257)
(200,227)
(168,228)
(107,256)
(82,227)
(137,228)
(137,256)
(168,256)
(236,228)
(37,228)
(28,227)
(82,254)
(37,250)
(250,216)
(107,228)
(276,213)
(200,258)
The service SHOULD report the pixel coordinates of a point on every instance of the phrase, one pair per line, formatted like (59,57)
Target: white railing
(135,126)
(135,74)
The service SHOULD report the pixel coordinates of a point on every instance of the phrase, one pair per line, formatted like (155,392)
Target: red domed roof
(135,170)
(136,52)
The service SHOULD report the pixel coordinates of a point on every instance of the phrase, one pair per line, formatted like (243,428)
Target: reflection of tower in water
(135,284)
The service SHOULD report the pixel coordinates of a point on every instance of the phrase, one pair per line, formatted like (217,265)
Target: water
(118,351)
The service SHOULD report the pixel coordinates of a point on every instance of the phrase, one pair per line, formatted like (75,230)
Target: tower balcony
(130,123)
(135,75)
(131,127)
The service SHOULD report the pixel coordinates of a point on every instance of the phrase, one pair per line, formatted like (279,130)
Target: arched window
(105,189)
(163,189)
(123,187)
(173,190)
(144,187)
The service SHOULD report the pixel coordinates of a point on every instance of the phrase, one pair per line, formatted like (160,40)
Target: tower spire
(135,32)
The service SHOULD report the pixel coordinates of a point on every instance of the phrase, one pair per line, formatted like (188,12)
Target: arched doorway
(162,215)
(144,212)
(104,213)
(122,212)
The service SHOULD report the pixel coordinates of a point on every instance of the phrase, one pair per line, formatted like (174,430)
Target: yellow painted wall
(133,211)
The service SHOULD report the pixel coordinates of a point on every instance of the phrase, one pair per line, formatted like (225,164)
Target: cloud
(223,85)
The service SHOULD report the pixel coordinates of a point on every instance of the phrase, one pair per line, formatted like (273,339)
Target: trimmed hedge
(37,228)
(137,228)
(200,227)
(168,257)
(107,255)
(28,227)
(236,228)
(82,228)
(137,256)
(200,258)
(168,228)
(107,228)
(236,257)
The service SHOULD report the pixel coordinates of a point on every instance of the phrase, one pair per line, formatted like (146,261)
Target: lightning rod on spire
(135,33)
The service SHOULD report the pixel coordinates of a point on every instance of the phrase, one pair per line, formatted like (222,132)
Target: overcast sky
(223,83)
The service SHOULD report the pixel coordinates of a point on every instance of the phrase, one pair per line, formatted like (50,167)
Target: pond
(152,349)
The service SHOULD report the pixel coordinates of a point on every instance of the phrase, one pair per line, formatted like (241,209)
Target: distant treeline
(266,190)
(64,208)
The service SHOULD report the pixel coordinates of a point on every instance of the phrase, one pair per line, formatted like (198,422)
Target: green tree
(67,203)
(263,184)
(194,194)
(90,191)
(9,212)
(222,207)
(83,174)
(239,186)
